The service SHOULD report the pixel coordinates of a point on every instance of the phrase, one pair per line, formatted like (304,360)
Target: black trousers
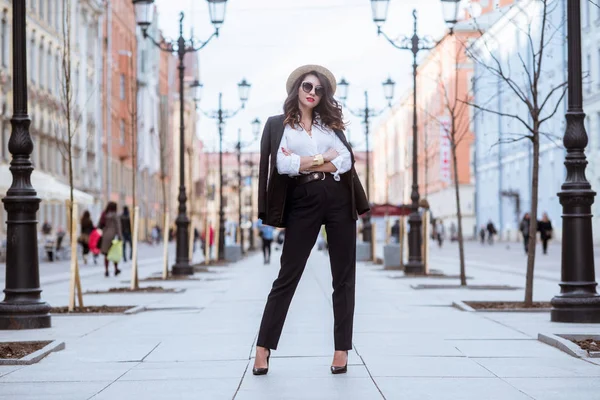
(312,205)
(267,249)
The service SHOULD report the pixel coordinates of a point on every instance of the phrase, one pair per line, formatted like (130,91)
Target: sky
(263,41)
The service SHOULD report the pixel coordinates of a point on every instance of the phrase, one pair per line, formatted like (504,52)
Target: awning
(48,188)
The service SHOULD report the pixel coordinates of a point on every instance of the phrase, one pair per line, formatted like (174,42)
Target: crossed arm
(306,162)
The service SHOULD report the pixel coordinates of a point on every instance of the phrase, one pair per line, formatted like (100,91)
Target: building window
(585,18)
(58,80)
(3,38)
(122,86)
(49,12)
(596,133)
(32,66)
(122,132)
(41,9)
(588,86)
(41,67)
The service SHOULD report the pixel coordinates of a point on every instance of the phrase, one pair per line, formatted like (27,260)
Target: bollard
(374,242)
(165,273)
(191,241)
(388,230)
(425,242)
(135,283)
(401,241)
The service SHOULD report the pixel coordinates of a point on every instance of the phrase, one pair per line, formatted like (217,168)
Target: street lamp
(221,115)
(144,10)
(366,113)
(578,300)
(414,44)
(22,307)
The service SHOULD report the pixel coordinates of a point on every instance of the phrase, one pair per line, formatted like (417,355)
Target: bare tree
(529,87)
(455,122)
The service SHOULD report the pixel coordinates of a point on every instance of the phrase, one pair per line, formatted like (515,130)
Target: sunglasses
(308,87)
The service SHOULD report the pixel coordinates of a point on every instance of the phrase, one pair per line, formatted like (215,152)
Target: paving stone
(505,348)
(385,366)
(448,389)
(558,367)
(50,390)
(558,388)
(159,371)
(213,389)
(274,387)
(68,372)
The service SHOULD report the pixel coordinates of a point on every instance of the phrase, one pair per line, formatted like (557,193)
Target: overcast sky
(264,40)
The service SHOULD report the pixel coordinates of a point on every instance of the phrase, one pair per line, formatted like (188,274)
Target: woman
(87,227)
(111,229)
(311,182)
(126,230)
(545,228)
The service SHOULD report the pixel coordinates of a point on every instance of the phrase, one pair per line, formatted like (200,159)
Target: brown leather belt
(313,176)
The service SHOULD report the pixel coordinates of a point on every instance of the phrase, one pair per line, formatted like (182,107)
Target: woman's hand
(330,155)
(286,152)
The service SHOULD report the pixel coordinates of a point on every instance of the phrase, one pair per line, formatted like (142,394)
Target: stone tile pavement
(408,344)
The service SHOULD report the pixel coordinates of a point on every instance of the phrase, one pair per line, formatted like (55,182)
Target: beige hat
(305,69)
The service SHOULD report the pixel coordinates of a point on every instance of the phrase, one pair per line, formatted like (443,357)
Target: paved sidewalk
(409,344)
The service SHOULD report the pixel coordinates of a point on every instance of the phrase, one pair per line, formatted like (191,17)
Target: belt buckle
(316,175)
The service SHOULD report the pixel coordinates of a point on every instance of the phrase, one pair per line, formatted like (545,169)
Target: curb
(463,306)
(563,343)
(135,310)
(35,356)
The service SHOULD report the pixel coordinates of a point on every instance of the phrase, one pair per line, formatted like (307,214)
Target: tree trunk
(533,218)
(461,243)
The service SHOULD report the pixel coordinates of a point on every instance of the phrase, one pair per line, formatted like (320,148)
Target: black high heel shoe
(340,370)
(262,371)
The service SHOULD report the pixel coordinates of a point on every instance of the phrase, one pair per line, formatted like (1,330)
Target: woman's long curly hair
(329,110)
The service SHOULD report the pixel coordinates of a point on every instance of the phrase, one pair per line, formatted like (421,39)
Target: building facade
(504,158)
(48,25)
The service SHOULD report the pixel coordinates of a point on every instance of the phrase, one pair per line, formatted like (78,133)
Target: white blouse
(301,144)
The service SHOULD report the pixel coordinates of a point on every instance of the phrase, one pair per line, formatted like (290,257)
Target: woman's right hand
(330,155)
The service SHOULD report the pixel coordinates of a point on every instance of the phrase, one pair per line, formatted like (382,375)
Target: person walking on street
(524,228)
(87,227)
(545,228)
(395,231)
(482,234)
(491,229)
(266,234)
(110,223)
(307,179)
(440,232)
(126,227)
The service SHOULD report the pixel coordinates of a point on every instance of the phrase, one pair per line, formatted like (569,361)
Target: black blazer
(274,188)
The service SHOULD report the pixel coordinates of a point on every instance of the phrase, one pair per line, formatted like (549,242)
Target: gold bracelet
(318,160)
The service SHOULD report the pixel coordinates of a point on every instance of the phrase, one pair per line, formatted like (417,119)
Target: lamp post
(144,10)
(578,300)
(366,113)
(415,44)
(221,115)
(22,307)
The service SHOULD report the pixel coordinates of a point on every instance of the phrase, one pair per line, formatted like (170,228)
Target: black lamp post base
(414,268)
(182,269)
(16,316)
(577,309)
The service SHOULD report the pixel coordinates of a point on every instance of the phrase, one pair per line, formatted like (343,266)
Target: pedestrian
(453,232)
(395,231)
(312,162)
(440,233)
(87,227)
(266,234)
(545,228)
(482,234)
(491,229)
(524,228)
(110,223)
(94,243)
(126,228)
